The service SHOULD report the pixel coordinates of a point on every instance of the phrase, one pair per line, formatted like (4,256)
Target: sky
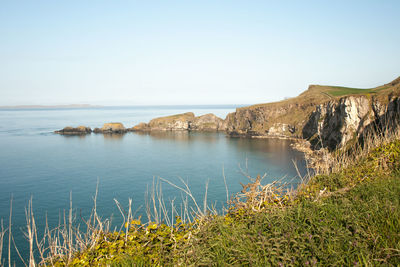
(192,52)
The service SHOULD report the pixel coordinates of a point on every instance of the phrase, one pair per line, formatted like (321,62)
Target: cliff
(327,116)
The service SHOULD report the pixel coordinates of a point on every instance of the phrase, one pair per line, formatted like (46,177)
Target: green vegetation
(361,226)
(342,91)
(347,218)
(143,245)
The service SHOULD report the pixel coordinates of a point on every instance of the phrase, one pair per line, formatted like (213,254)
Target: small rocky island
(108,128)
(179,122)
(184,122)
(80,130)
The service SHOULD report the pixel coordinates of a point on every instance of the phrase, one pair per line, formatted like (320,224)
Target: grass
(342,91)
(172,118)
(361,226)
(342,219)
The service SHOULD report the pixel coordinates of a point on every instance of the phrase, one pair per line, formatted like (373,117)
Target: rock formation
(186,122)
(326,116)
(207,123)
(112,127)
(80,130)
(280,119)
(335,123)
(332,125)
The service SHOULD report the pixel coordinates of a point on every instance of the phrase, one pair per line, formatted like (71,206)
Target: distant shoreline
(72,106)
(50,106)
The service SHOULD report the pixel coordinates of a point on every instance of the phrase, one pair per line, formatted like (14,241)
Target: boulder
(80,130)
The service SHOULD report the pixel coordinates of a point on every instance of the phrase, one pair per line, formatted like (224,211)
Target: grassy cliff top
(178,117)
(318,94)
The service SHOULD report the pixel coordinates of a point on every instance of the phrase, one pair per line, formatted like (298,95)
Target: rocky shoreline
(319,119)
(179,122)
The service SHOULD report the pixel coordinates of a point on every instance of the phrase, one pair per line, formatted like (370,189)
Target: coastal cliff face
(266,121)
(336,123)
(283,119)
(327,117)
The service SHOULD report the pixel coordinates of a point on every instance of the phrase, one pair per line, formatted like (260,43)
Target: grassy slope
(355,222)
(321,93)
(361,226)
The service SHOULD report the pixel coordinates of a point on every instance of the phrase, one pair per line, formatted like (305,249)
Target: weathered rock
(140,127)
(80,130)
(332,125)
(183,122)
(267,120)
(174,122)
(280,130)
(112,127)
(207,122)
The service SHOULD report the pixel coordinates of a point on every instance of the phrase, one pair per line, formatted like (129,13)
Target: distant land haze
(51,106)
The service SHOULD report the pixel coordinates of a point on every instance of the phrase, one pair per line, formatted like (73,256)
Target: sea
(52,169)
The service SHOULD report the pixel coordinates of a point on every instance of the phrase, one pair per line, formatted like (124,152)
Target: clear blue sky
(192,52)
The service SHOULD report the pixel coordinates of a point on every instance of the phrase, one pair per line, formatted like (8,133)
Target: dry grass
(58,244)
(74,235)
(326,162)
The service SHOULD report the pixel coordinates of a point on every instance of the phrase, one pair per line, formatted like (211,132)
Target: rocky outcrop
(110,128)
(174,122)
(269,120)
(207,123)
(335,123)
(281,130)
(141,127)
(183,122)
(80,130)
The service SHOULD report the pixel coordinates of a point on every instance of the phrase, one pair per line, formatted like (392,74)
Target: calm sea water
(36,162)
